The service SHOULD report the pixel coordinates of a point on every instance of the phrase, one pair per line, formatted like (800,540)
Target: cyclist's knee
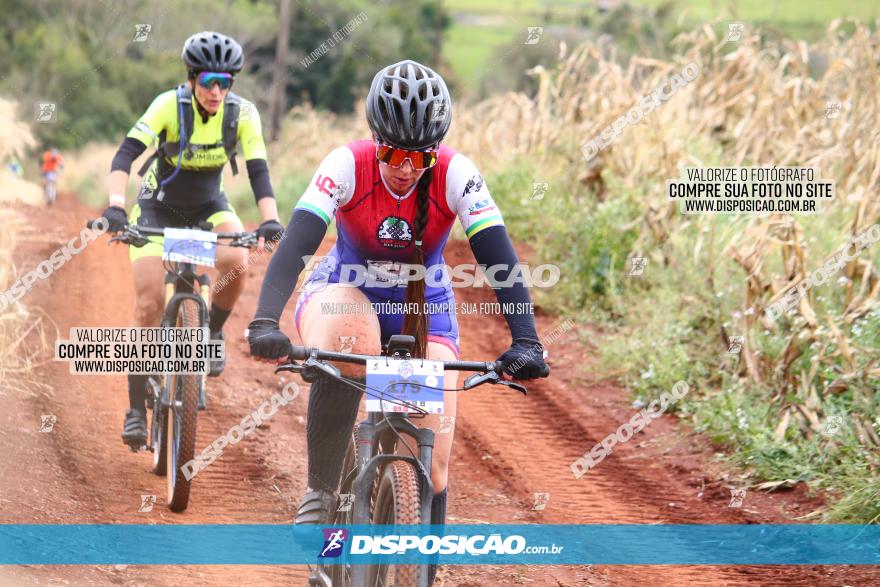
(148,311)
(232,260)
(330,322)
(359,341)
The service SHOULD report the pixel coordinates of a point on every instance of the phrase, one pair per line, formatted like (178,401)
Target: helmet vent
(400,82)
(398,111)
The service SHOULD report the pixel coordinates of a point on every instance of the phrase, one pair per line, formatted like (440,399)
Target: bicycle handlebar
(134,233)
(302,353)
(486,372)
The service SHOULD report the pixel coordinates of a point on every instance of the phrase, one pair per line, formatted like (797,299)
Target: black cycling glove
(524,360)
(266,340)
(270,230)
(116,218)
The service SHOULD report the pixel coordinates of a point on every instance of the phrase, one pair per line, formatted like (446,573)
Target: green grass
(468,46)
(493,6)
(778,13)
(470,49)
(766,11)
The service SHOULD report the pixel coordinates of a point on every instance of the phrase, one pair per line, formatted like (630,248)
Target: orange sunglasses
(394,156)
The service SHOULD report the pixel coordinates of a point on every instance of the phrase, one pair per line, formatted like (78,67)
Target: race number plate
(416,381)
(187,245)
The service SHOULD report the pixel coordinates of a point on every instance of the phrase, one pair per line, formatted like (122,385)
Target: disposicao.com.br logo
(334,542)
(476,545)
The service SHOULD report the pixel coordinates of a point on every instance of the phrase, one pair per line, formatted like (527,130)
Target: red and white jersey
(375,225)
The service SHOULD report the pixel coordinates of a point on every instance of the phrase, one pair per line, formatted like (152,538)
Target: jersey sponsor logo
(384,271)
(394,233)
(209,155)
(480,207)
(325,184)
(473,185)
(336,191)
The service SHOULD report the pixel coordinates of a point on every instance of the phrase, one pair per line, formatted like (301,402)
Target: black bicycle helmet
(210,51)
(409,106)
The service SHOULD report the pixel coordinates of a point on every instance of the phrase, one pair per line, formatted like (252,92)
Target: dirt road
(507,448)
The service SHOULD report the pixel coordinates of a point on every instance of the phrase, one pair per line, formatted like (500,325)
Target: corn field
(755,102)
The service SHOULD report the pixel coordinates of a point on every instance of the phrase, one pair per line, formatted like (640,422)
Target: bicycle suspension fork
(370,434)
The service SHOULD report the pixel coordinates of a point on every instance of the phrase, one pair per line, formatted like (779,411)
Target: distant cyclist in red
(52,164)
(52,161)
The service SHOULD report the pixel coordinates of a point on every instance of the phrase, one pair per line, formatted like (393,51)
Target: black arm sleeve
(258,174)
(129,150)
(492,246)
(302,237)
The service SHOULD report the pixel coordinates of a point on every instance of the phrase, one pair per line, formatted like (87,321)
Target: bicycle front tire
(397,502)
(182,419)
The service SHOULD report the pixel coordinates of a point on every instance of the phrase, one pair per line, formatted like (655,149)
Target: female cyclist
(395,199)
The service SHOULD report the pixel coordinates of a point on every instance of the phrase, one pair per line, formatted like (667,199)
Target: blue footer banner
(268,544)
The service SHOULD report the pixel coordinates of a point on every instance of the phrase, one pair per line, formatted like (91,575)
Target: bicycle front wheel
(182,419)
(397,502)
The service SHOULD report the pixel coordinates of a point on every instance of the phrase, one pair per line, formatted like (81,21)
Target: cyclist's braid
(416,324)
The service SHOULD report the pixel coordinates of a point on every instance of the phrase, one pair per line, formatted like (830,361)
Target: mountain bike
(176,399)
(387,487)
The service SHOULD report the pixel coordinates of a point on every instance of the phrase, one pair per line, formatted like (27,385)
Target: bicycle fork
(370,434)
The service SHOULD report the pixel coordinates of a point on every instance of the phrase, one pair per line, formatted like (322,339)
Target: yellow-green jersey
(199,179)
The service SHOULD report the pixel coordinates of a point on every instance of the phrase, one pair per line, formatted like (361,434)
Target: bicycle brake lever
(492,377)
(479,379)
(310,370)
(294,367)
(135,242)
(513,385)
